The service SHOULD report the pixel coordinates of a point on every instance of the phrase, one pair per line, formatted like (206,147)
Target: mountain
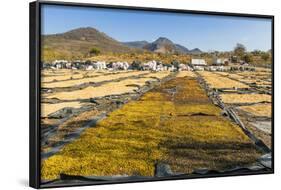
(181,48)
(78,42)
(162,45)
(136,44)
(195,51)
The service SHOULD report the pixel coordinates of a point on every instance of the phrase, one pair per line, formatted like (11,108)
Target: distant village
(218,64)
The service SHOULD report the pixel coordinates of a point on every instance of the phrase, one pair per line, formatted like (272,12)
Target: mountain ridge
(162,45)
(77,43)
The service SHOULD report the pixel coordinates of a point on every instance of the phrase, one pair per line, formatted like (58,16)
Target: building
(217,61)
(184,67)
(100,65)
(59,64)
(151,65)
(198,64)
(120,65)
(220,61)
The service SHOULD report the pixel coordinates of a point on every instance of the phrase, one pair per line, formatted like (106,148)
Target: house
(100,65)
(89,67)
(198,64)
(217,61)
(78,64)
(59,64)
(184,67)
(159,67)
(120,65)
(220,61)
(151,65)
(68,65)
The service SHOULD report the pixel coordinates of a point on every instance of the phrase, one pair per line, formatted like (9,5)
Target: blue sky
(193,31)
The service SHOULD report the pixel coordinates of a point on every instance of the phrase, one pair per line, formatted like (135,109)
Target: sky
(206,32)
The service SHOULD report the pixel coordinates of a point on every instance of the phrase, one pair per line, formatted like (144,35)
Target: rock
(163,170)
(265,160)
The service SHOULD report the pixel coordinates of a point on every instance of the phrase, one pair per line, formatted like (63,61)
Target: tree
(239,50)
(94,51)
(265,56)
(256,52)
(248,58)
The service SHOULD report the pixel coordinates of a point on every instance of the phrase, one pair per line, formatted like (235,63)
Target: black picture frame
(35,79)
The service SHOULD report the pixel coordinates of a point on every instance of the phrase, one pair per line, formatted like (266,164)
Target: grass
(174,123)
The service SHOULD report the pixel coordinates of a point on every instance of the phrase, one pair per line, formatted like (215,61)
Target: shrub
(265,56)
(94,51)
(248,58)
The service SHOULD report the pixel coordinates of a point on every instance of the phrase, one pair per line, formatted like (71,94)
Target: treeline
(256,57)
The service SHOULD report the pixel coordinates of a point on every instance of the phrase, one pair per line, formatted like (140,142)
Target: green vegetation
(94,51)
(239,50)
(256,57)
(248,58)
(174,123)
(265,56)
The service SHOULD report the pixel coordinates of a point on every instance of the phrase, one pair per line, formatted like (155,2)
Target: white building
(59,64)
(120,66)
(184,67)
(100,65)
(151,65)
(59,61)
(68,65)
(198,64)
(89,67)
(218,61)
